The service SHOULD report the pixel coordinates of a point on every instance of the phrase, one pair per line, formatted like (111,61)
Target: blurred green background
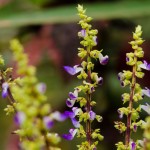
(48,30)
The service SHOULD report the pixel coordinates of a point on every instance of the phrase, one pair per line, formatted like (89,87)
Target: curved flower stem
(128,131)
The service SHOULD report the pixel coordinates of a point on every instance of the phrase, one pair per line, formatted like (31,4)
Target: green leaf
(65,14)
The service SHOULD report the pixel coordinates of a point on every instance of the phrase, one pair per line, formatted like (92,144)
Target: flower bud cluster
(84,115)
(128,78)
(33,113)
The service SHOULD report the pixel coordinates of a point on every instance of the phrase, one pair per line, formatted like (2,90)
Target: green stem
(88,106)
(128,131)
(88,123)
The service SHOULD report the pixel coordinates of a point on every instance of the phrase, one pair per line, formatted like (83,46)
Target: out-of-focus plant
(136,94)
(83,116)
(33,114)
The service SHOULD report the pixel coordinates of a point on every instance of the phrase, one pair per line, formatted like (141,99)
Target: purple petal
(5,87)
(95,39)
(133,145)
(70,114)
(76,110)
(75,122)
(71,134)
(70,70)
(135,128)
(48,122)
(41,87)
(73,70)
(120,114)
(73,96)
(70,102)
(145,65)
(146,108)
(4,93)
(100,80)
(146,92)
(103,59)
(127,59)
(19,118)
(92,115)
(83,33)
(58,116)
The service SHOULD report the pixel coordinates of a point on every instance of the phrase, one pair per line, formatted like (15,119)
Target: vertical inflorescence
(136,93)
(32,112)
(83,117)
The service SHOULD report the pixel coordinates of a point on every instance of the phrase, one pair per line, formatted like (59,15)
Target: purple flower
(58,116)
(19,118)
(48,122)
(145,65)
(76,110)
(5,87)
(146,92)
(100,80)
(70,135)
(127,59)
(72,70)
(70,102)
(74,95)
(134,127)
(41,87)
(92,115)
(120,76)
(95,39)
(70,114)
(75,122)
(103,59)
(120,113)
(146,108)
(133,145)
(83,32)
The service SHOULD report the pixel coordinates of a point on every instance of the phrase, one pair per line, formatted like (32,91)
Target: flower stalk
(85,115)
(129,78)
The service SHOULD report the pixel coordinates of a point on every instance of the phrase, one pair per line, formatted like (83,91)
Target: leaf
(65,14)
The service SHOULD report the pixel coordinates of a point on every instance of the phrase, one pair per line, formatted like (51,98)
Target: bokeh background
(48,30)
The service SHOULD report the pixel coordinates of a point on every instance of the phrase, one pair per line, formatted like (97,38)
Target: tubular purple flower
(48,122)
(76,110)
(58,116)
(145,65)
(92,115)
(83,32)
(70,114)
(133,145)
(120,76)
(74,95)
(100,80)
(120,114)
(70,102)
(103,59)
(71,134)
(41,87)
(127,59)
(146,92)
(19,118)
(5,87)
(95,39)
(73,70)
(75,122)
(146,108)
(135,128)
